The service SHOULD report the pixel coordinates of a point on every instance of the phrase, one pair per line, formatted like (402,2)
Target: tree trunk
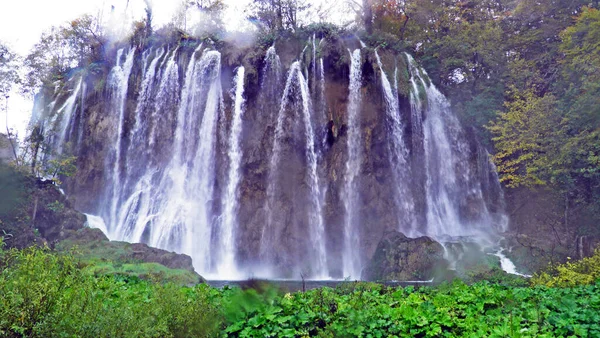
(403,29)
(368,16)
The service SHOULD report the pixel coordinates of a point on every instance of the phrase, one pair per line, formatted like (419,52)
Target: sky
(23,21)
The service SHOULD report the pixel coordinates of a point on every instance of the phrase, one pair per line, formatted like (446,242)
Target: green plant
(56,206)
(583,272)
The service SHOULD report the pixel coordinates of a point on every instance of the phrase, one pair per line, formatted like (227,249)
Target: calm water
(288,285)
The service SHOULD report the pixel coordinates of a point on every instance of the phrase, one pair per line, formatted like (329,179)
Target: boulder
(400,258)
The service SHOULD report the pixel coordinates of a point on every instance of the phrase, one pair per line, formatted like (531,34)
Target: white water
(167,96)
(164,191)
(118,81)
(96,222)
(227,266)
(297,85)
(450,184)
(507,265)
(351,254)
(66,112)
(172,208)
(398,153)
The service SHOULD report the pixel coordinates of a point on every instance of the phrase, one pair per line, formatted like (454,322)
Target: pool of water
(288,285)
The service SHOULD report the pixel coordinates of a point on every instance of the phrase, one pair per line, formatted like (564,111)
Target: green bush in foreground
(452,310)
(50,295)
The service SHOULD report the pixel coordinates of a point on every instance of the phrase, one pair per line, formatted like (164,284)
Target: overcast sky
(23,21)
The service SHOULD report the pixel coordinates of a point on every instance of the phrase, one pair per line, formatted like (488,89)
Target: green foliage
(62,166)
(583,272)
(48,295)
(13,189)
(9,67)
(370,310)
(525,136)
(56,206)
(73,44)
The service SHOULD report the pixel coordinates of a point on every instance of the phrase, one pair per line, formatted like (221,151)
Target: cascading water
(351,253)
(166,97)
(297,88)
(180,172)
(398,155)
(66,112)
(455,203)
(118,81)
(227,265)
(172,208)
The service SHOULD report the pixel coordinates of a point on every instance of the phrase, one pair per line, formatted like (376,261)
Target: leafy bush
(570,274)
(450,310)
(48,295)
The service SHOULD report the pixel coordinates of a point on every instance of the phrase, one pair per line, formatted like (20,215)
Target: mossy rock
(111,257)
(400,258)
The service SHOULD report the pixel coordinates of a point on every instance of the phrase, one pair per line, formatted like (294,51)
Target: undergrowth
(45,294)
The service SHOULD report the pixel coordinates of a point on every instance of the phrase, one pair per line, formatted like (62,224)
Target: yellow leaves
(523,135)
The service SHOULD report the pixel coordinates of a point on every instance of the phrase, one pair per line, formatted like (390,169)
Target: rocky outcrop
(96,125)
(398,257)
(42,215)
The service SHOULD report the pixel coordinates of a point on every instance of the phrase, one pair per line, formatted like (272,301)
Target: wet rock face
(290,250)
(45,216)
(398,257)
(51,213)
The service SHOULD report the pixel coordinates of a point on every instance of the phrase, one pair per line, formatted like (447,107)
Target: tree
(76,44)
(526,138)
(199,17)
(9,76)
(277,14)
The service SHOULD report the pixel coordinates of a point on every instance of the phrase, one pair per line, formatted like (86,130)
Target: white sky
(23,21)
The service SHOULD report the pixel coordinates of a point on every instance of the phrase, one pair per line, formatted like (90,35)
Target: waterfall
(66,112)
(351,252)
(398,156)
(269,98)
(81,114)
(227,265)
(455,206)
(297,86)
(244,188)
(167,96)
(138,134)
(271,79)
(118,81)
(171,208)
(184,214)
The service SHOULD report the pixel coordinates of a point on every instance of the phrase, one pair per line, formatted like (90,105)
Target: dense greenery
(50,295)
(582,272)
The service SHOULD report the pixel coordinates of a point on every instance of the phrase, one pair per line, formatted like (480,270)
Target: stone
(400,258)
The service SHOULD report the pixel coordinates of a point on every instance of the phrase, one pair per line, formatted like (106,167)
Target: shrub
(582,272)
(48,295)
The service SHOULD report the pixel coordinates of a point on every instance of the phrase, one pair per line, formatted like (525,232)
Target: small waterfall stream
(296,93)
(67,111)
(351,253)
(118,82)
(398,155)
(227,265)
